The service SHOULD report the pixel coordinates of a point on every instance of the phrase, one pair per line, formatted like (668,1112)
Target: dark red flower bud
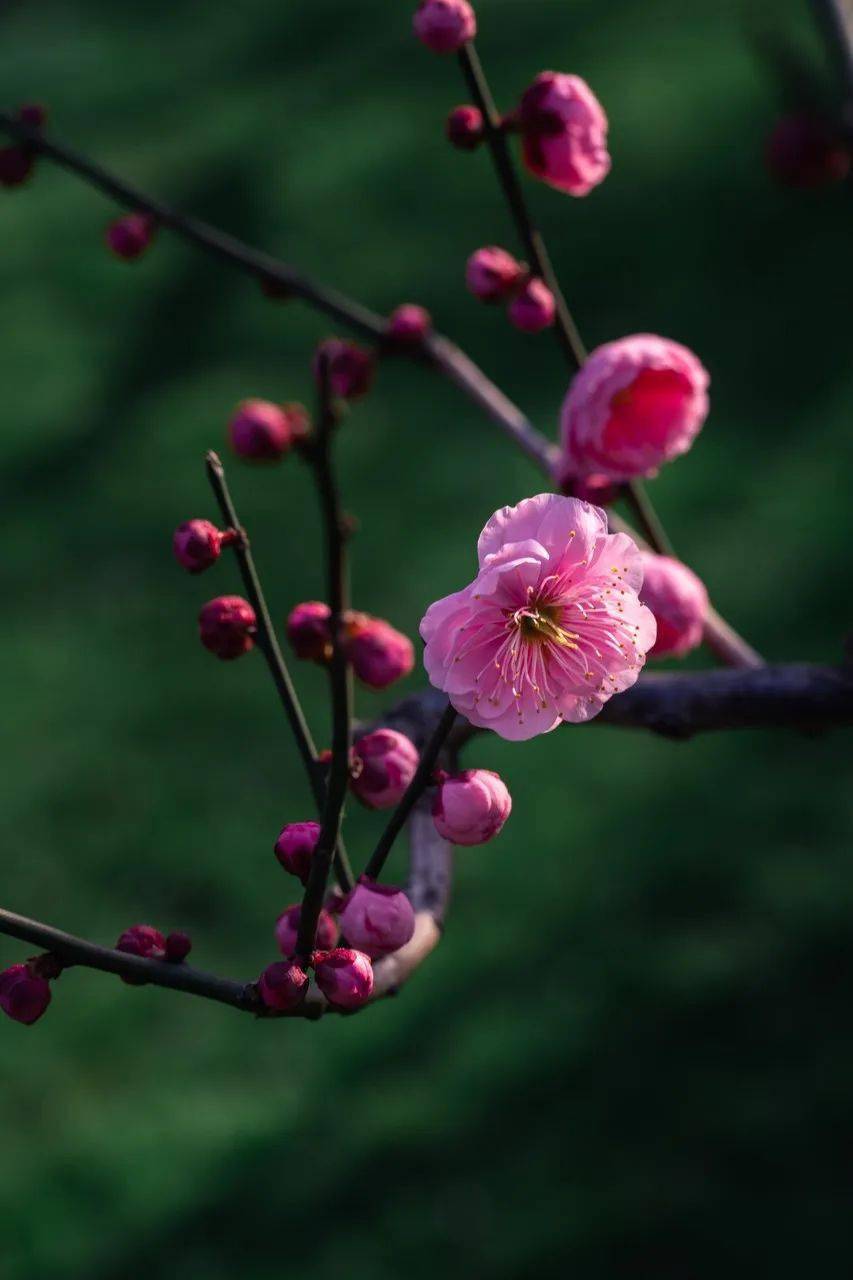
(226,627)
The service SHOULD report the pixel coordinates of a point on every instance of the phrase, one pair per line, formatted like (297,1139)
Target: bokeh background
(632,1054)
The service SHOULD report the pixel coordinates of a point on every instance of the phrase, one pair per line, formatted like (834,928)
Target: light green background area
(631,1055)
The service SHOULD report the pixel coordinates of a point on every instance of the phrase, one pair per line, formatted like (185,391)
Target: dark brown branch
(336,532)
(267,642)
(566,330)
(798,696)
(438,351)
(178,977)
(414,791)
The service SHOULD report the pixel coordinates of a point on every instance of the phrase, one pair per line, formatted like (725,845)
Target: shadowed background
(632,1053)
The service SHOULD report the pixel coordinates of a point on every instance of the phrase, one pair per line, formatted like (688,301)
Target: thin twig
(414,791)
(267,642)
(438,351)
(336,532)
(566,330)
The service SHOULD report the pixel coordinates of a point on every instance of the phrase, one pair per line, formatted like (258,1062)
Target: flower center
(539,623)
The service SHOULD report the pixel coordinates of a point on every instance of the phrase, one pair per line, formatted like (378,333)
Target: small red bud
(344,976)
(226,626)
(130,236)
(464,127)
(262,431)
(33,113)
(409,325)
(350,368)
(533,308)
(24,994)
(308,631)
(444,25)
(295,847)
(178,947)
(198,544)
(283,986)
(16,165)
(141,940)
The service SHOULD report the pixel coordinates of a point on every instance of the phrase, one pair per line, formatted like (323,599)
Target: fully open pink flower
(636,403)
(564,133)
(549,629)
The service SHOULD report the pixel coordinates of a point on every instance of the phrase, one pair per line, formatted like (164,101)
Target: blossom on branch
(552,625)
(636,403)
(679,601)
(470,807)
(564,133)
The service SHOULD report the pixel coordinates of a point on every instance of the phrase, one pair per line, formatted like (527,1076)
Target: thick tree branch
(795,695)
(439,352)
(267,642)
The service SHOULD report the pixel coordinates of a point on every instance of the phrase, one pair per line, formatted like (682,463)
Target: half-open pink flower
(551,626)
(564,133)
(636,403)
(679,601)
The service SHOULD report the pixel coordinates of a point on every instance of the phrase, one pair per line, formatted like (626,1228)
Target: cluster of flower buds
(636,403)
(146,941)
(408,325)
(349,368)
(444,25)
(382,764)
(679,601)
(227,626)
(807,150)
(129,236)
(344,975)
(470,807)
(261,431)
(493,275)
(378,653)
(25,988)
(198,544)
(18,159)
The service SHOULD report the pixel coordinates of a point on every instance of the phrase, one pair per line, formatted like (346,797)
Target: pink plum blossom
(226,627)
(564,133)
(283,986)
(379,653)
(377,918)
(533,308)
(344,976)
(197,544)
(444,25)
(471,807)
(287,930)
(636,403)
(383,765)
(492,274)
(552,625)
(24,993)
(679,601)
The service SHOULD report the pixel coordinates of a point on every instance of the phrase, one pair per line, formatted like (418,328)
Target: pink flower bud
(24,995)
(377,918)
(409,325)
(533,307)
(260,430)
(636,403)
(308,631)
(805,150)
(226,626)
(33,113)
(378,652)
(295,847)
(141,940)
(444,25)
(197,545)
(283,986)
(492,274)
(287,930)
(350,367)
(464,127)
(384,763)
(178,947)
(678,600)
(345,977)
(564,133)
(471,807)
(16,165)
(130,236)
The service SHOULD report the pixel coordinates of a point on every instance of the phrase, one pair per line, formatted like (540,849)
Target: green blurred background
(632,1053)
